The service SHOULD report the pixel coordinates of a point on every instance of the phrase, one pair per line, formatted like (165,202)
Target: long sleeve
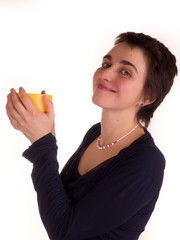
(116,199)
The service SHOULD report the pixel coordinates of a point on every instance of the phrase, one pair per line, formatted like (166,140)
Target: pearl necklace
(111,144)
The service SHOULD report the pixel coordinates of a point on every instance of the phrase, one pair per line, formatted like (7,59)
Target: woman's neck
(115,124)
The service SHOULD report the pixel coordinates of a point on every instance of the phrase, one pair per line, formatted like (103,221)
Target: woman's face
(118,83)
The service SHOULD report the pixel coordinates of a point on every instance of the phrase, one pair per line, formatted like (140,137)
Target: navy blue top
(112,201)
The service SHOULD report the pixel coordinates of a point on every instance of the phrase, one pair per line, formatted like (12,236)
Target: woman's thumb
(49,106)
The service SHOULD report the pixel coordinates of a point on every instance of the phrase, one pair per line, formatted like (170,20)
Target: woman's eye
(105,65)
(125,73)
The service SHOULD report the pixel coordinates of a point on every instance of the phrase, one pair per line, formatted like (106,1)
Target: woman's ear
(148,101)
(144,102)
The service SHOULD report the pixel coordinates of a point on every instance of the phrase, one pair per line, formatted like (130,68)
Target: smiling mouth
(102,87)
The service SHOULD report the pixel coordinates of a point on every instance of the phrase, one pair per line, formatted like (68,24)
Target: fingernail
(21,89)
(12,90)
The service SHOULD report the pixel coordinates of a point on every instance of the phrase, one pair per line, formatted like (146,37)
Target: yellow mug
(38,101)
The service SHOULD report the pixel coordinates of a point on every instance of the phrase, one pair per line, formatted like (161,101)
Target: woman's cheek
(96,77)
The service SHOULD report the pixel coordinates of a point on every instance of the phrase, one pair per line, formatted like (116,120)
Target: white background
(57,45)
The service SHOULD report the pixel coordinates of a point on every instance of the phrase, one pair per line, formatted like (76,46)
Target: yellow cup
(38,101)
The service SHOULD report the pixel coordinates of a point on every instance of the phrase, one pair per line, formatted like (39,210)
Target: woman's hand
(25,117)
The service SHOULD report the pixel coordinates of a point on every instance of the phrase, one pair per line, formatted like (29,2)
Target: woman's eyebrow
(125,62)
(108,57)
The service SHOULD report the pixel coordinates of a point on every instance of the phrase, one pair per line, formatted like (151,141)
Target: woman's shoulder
(145,154)
(147,148)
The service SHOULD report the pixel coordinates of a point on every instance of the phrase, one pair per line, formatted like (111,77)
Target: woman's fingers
(28,104)
(16,110)
(16,103)
(12,113)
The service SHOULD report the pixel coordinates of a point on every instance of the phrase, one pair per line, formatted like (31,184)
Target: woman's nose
(108,74)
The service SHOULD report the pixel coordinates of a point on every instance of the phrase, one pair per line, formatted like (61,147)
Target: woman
(109,187)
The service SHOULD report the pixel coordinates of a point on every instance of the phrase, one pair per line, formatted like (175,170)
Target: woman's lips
(105,88)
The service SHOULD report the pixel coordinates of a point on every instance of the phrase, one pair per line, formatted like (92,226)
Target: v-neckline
(108,160)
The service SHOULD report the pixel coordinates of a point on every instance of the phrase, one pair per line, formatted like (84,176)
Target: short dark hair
(160,73)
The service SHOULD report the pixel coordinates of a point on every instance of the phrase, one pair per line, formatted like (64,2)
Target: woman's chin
(99,102)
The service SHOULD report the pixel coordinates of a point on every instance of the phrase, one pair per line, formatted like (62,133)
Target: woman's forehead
(125,49)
